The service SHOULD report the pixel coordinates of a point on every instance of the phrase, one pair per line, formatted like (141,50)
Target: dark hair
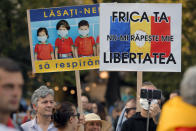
(83,23)
(176,91)
(101,111)
(9,65)
(64,23)
(42,29)
(147,83)
(62,114)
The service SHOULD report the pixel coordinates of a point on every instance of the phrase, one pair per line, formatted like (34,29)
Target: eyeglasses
(78,115)
(128,109)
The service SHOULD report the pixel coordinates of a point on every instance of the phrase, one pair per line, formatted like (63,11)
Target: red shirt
(43,51)
(64,45)
(9,123)
(85,45)
(97,40)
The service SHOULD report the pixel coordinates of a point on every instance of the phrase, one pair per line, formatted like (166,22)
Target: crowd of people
(45,114)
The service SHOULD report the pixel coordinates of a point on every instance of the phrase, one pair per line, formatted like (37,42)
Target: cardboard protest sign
(140,37)
(64,38)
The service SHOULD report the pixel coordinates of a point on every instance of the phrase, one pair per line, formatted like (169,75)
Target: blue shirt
(33,126)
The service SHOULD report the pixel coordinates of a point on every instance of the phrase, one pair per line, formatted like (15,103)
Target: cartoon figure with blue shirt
(63,44)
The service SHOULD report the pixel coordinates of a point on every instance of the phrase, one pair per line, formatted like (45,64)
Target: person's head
(130,108)
(94,123)
(174,93)
(42,34)
(188,86)
(66,116)
(43,101)
(83,28)
(11,82)
(85,102)
(62,28)
(143,101)
(94,108)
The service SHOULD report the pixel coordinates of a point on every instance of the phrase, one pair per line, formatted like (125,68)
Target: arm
(94,46)
(73,51)
(76,48)
(56,52)
(52,55)
(97,47)
(35,56)
(154,112)
(94,50)
(76,52)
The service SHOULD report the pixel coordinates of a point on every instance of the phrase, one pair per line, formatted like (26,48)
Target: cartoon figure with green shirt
(43,49)
(63,44)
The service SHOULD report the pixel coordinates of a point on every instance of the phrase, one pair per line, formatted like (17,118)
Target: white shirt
(5,128)
(33,126)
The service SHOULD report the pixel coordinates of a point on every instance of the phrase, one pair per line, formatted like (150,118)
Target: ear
(34,107)
(71,119)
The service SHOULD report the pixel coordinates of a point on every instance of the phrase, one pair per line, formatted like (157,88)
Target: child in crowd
(43,49)
(63,44)
(85,45)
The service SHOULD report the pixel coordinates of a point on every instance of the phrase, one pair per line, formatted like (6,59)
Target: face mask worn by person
(42,38)
(144,103)
(63,33)
(83,32)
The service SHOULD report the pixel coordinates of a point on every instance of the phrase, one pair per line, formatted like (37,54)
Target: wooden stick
(79,92)
(139,85)
(30,40)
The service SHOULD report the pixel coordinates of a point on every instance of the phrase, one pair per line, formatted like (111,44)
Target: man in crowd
(130,108)
(128,111)
(11,82)
(43,103)
(178,114)
(94,123)
(138,122)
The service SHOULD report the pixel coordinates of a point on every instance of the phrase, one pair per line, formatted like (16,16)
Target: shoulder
(28,124)
(90,37)
(126,126)
(49,44)
(69,38)
(5,128)
(78,37)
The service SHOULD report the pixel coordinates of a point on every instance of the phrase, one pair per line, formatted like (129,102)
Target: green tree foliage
(15,44)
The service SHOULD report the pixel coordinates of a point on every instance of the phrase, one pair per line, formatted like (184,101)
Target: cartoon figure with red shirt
(43,49)
(85,45)
(63,44)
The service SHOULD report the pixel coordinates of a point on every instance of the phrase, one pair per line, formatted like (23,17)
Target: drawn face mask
(144,103)
(83,32)
(62,33)
(42,38)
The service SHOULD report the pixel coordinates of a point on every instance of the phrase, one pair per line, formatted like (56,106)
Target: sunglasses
(78,115)
(128,109)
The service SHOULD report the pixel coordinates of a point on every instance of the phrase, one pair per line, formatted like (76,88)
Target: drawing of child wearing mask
(43,49)
(63,44)
(84,44)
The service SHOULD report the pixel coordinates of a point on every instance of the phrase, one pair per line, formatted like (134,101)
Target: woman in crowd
(66,118)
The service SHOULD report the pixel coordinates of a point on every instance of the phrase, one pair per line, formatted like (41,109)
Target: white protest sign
(140,37)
